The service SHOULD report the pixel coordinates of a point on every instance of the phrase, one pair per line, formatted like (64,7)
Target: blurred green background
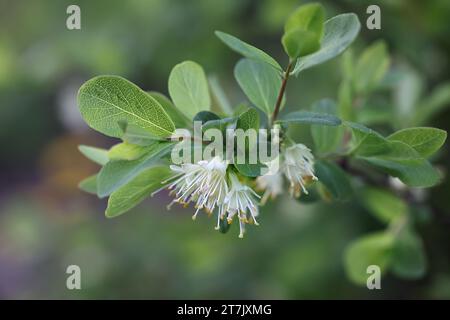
(46,223)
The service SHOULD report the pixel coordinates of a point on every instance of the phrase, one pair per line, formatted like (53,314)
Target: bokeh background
(46,223)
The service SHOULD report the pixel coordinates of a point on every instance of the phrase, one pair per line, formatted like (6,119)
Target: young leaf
(178,118)
(104,101)
(334,179)
(303,30)
(89,184)
(97,155)
(307,117)
(372,249)
(247,50)
(298,42)
(259,82)
(188,88)
(371,67)
(326,138)
(408,256)
(128,151)
(307,17)
(340,31)
(117,173)
(383,204)
(132,193)
(425,141)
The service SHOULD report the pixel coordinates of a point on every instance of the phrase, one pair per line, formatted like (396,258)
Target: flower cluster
(212,185)
(296,163)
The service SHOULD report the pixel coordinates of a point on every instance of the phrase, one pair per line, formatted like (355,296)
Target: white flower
(240,201)
(203,183)
(298,167)
(271,182)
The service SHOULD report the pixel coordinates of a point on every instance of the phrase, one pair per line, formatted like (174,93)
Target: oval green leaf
(425,141)
(188,88)
(340,31)
(259,82)
(105,101)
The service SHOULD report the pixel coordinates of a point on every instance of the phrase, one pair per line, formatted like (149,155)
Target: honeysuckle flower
(203,183)
(271,182)
(298,167)
(241,200)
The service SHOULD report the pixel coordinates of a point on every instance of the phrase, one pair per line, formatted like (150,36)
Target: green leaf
(247,50)
(371,67)
(136,135)
(303,30)
(117,173)
(132,193)
(250,170)
(326,138)
(97,155)
(366,142)
(221,124)
(259,82)
(372,249)
(307,117)
(298,42)
(383,204)
(128,151)
(392,157)
(248,119)
(408,257)
(334,179)
(104,101)
(219,95)
(424,140)
(307,17)
(178,118)
(188,88)
(340,31)
(89,184)
(205,116)
(418,174)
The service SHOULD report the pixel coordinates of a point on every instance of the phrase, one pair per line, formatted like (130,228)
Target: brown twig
(281,93)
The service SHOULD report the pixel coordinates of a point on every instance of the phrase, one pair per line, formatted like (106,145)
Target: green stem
(281,93)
